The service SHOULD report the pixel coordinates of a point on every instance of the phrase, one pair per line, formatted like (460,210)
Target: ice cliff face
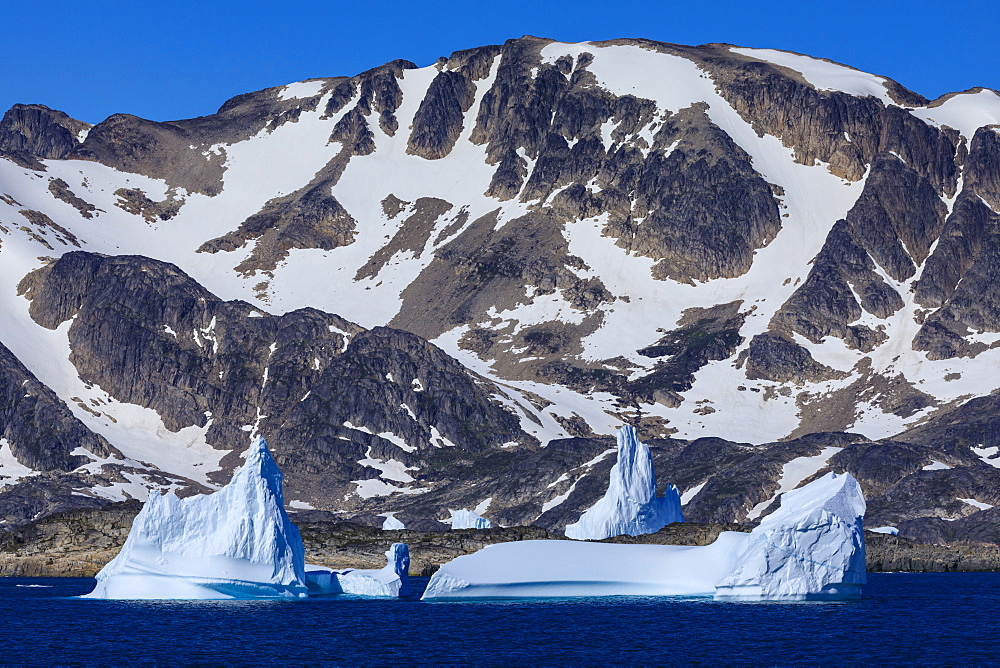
(630,505)
(235,543)
(812,548)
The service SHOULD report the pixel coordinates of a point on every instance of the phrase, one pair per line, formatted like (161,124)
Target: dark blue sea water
(903,619)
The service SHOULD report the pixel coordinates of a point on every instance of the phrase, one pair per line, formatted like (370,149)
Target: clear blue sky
(180,59)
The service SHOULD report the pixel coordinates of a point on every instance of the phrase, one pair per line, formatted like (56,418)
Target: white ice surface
(966,112)
(468,519)
(892,531)
(391,523)
(812,548)
(301,89)
(11,470)
(793,473)
(391,580)
(989,455)
(234,543)
(558,568)
(976,504)
(630,506)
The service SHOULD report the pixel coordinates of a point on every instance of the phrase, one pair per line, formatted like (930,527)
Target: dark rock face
(308,218)
(149,335)
(438,121)
(703,209)
(776,357)
(959,278)
(160,150)
(135,201)
(39,131)
(60,190)
(976,423)
(41,431)
(703,335)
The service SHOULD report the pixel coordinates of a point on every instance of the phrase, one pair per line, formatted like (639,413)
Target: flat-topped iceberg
(235,543)
(391,580)
(563,568)
(811,548)
(630,506)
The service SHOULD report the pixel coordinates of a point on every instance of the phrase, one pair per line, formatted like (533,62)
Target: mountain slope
(705,241)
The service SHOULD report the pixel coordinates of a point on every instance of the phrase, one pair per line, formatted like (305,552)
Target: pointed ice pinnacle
(391,523)
(235,543)
(630,505)
(811,548)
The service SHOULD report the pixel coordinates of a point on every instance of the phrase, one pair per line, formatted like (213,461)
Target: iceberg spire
(630,505)
(235,543)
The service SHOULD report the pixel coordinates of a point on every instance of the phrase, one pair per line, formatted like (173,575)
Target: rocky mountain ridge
(444,287)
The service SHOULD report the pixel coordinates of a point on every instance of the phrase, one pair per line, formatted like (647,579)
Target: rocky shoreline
(79,543)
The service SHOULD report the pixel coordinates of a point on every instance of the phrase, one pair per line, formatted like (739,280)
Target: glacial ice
(392,523)
(391,580)
(235,543)
(468,519)
(630,505)
(811,548)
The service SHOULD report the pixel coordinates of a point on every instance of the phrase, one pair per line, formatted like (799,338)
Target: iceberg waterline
(235,543)
(392,580)
(240,543)
(812,548)
(630,506)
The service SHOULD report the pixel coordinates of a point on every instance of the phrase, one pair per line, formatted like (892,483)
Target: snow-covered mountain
(445,287)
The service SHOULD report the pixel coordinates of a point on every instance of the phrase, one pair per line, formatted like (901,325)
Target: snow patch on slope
(824,75)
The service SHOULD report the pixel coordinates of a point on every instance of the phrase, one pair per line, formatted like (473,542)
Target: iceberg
(811,548)
(630,505)
(391,523)
(235,543)
(468,519)
(392,580)
(565,568)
